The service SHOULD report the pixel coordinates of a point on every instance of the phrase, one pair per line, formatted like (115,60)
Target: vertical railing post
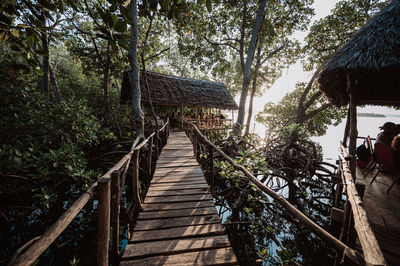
(211,155)
(103,232)
(195,143)
(156,142)
(149,159)
(115,209)
(135,181)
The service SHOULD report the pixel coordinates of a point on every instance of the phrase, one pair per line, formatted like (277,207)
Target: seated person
(388,132)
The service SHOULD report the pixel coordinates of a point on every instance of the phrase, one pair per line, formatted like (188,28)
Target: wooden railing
(354,217)
(108,188)
(197,137)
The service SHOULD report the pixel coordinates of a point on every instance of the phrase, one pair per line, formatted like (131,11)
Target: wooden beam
(372,252)
(337,214)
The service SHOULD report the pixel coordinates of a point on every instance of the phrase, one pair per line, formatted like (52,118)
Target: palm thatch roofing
(371,59)
(167,90)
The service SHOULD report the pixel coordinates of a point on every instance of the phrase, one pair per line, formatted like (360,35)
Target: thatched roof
(167,90)
(372,59)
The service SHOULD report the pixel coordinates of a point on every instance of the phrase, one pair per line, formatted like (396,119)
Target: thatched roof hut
(167,90)
(371,59)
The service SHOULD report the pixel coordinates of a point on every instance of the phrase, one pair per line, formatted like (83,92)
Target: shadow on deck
(383,210)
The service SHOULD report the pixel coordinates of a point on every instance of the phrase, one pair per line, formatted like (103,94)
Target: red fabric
(384,155)
(362,164)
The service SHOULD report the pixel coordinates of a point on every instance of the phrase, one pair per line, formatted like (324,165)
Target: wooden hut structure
(366,70)
(168,90)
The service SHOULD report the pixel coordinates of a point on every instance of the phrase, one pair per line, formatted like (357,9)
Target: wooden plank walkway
(383,210)
(179,223)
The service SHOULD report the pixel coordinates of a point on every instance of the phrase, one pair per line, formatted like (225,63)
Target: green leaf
(208,4)
(121,26)
(164,4)
(18,153)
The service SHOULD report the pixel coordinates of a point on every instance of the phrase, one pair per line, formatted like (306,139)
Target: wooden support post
(353,126)
(345,223)
(135,181)
(338,196)
(211,155)
(149,159)
(347,128)
(103,232)
(115,192)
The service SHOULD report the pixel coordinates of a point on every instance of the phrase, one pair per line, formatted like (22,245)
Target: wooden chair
(372,164)
(384,159)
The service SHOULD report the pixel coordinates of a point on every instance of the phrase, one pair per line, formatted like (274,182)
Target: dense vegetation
(61,65)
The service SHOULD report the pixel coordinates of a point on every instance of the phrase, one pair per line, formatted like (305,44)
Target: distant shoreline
(370,115)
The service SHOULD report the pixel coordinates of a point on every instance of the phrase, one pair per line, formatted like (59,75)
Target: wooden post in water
(149,161)
(103,232)
(211,155)
(135,181)
(115,191)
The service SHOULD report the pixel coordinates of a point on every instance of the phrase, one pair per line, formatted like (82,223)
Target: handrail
(372,252)
(352,254)
(31,251)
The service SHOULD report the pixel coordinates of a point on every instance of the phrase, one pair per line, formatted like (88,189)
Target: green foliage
(45,151)
(280,118)
(331,32)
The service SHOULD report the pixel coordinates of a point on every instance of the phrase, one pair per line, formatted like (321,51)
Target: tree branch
(271,54)
(221,44)
(316,111)
(155,55)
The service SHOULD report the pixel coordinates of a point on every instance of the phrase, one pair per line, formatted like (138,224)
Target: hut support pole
(347,128)
(353,126)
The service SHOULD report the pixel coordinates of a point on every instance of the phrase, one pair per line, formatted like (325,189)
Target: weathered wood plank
(220,256)
(178,232)
(164,199)
(163,193)
(176,205)
(178,187)
(175,222)
(170,247)
(178,182)
(177,213)
(178,179)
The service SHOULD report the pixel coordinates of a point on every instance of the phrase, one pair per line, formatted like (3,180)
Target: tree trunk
(247,68)
(134,73)
(106,81)
(54,84)
(45,65)
(253,93)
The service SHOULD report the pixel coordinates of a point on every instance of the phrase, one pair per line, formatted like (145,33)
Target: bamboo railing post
(135,181)
(149,161)
(211,155)
(115,209)
(103,232)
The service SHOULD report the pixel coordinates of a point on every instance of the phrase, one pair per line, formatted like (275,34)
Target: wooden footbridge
(179,223)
